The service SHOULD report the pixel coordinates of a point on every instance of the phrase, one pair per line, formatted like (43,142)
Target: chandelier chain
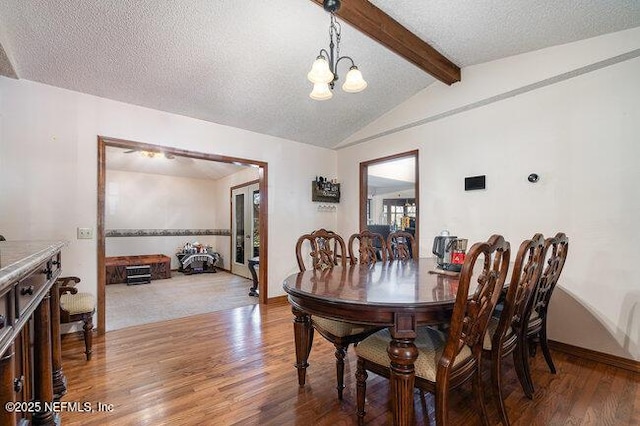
(337,30)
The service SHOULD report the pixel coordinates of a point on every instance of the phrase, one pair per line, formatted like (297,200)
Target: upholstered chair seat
(77,306)
(339,328)
(429,342)
(79,303)
(491,331)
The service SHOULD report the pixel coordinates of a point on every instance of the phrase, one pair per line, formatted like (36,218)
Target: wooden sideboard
(31,376)
(117,272)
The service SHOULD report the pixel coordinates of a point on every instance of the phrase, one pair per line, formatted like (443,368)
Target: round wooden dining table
(400,295)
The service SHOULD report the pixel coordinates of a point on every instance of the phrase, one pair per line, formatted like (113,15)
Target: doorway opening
(245,227)
(389,194)
(171,153)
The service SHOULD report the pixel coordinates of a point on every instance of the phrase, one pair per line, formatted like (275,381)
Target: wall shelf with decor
(325,191)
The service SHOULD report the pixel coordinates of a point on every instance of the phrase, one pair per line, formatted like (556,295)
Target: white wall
(48,169)
(149,201)
(581,135)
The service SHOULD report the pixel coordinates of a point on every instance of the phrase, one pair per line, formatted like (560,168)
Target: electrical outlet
(85,233)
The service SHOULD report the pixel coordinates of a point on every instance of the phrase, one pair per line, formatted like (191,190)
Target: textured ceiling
(244,63)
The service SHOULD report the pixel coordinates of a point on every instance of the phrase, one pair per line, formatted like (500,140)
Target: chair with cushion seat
(401,246)
(323,250)
(446,361)
(76,306)
(557,248)
(371,248)
(503,334)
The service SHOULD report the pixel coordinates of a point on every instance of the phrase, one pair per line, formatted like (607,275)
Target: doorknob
(247,236)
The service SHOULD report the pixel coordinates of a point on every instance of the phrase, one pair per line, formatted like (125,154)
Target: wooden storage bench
(117,266)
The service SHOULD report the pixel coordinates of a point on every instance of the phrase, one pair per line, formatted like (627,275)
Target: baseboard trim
(613,360)
(278,300)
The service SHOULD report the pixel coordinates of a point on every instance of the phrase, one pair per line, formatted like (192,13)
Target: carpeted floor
(178,297)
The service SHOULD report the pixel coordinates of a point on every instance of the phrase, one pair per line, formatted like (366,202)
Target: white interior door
(245,205)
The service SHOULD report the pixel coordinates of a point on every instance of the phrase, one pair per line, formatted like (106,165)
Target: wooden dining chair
(326,249)
(536,316)
(77,306)
(446,361)
(401,246)
(371,248)
(503,334)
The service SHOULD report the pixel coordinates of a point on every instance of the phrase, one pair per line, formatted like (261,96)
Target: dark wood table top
(374,294)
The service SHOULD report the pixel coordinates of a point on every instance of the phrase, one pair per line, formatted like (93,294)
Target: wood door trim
(242,185)
(364,165)
(104,141)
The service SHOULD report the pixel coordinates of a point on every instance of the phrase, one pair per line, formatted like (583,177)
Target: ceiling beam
(373,22)
(6,68)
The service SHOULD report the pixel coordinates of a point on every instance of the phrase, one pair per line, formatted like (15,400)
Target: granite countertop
(18,258)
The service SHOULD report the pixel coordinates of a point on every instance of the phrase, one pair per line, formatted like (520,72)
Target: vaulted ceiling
(244,63)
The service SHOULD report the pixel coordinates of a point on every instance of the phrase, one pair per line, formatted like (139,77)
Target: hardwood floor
(236,367)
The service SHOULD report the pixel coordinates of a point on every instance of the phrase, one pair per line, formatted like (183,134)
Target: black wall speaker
(474,182)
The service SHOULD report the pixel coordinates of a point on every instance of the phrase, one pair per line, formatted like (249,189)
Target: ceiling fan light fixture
(156,154)
(354,82)
(148,154)
(321,92)
(320,72)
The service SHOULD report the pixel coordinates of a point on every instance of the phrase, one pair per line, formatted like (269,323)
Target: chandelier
(324,71)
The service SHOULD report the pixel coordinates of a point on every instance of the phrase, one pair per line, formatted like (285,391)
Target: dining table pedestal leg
(403,354)
(303,332)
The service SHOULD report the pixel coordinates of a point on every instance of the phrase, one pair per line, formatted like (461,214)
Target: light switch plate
(85,233)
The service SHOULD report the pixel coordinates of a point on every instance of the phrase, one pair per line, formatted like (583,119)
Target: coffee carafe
(449,251)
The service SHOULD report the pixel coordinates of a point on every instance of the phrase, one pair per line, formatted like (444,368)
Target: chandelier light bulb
(321,92)
(354,82)
(320,72)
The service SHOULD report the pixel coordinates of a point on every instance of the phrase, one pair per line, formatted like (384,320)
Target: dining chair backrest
(401,246)
(471,315)
(371,248)
(526,273)
(325,249)
(557,248)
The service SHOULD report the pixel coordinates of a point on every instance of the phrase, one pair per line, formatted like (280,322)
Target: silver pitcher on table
(450,251)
